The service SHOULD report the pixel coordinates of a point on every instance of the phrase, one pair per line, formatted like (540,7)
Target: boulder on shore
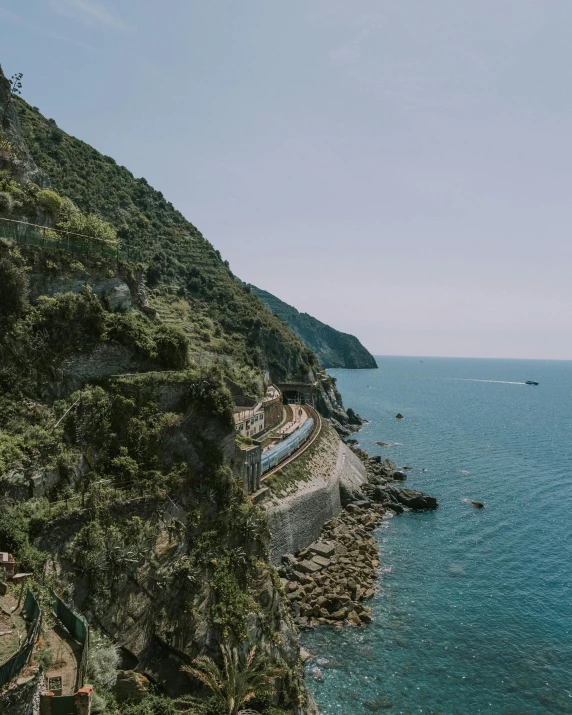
(398,475)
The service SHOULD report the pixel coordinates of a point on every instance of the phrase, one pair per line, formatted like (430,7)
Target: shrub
(49,201)
(102,661)
(44,658)
(73,220)
(172,347)
(151,705)
(13,289)
(5,202)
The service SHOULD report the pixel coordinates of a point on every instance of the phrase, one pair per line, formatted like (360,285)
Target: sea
(473,610)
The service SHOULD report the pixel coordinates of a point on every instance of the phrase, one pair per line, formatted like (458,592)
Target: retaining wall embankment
(296,520)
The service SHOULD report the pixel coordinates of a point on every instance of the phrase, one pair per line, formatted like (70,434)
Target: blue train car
(273,456)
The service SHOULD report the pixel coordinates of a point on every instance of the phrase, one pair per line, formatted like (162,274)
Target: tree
(13,290)
(15,83)
(242,678)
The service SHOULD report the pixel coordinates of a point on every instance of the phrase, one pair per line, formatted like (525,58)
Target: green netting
(64,241)
(31,607)
(75,624)
(14,665)
(63,705)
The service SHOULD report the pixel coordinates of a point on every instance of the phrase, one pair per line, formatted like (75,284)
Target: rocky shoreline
(327,582)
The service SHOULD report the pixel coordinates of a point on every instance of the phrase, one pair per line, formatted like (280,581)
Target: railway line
(316,429)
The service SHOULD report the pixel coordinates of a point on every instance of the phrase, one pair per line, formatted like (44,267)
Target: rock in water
(399,416)
(476,504)
(414,499)
(317,674)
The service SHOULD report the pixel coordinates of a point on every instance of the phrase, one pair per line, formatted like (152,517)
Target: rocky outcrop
(130,686)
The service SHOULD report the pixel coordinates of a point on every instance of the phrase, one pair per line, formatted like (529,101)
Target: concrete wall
(272,412)
(296,520)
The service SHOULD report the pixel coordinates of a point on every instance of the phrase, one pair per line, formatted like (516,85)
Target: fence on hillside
(60,240)
(78,629)
(12,667)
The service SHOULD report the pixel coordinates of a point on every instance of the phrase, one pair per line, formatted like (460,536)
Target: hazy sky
(400,169)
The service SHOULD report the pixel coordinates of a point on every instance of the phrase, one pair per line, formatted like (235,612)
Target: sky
(400,169)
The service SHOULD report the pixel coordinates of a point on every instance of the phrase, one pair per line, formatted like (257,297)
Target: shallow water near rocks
(474,610)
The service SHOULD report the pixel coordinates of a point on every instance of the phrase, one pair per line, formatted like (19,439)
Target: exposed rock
(399,416)
(354,418)
(130,686)
(379,704)
(342,430)
(118,295)
(414,499)
(308,566)
(323,548)
(398,475)
(476,504)
(289,560)
(321,561)
(317,674)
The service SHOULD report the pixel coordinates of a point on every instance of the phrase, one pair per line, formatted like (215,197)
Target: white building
(249,421)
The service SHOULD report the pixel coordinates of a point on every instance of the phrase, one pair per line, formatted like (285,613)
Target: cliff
(116,430)
(333,348)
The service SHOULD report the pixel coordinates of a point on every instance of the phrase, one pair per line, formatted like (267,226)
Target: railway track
(308,443)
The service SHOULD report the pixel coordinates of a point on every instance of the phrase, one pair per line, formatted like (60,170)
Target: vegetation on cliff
(181,264)
(116,431)
(333,348)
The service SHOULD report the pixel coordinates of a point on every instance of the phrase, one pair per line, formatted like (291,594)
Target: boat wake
(474,379)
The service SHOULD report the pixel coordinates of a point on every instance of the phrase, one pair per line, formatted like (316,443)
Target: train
(274,455)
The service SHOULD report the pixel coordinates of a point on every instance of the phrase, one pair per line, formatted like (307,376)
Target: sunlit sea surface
(474,608)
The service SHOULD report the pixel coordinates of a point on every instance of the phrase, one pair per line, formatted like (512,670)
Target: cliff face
(116,431)
(115,479)
(187,278)
(333,348)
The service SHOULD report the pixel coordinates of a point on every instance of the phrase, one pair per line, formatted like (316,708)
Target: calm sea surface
(474,609)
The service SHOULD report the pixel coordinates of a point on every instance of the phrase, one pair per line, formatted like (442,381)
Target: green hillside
(118,459)
(334,349)
(221,314)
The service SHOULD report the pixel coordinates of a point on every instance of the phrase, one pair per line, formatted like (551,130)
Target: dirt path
(65,653)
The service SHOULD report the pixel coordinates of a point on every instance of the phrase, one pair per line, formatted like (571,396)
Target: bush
(49,201)
(172,347)
(13,289)
(44,658)
(102,663)
(151,705)
(5,202)
(71,219)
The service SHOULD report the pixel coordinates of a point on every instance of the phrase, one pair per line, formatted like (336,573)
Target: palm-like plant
(242,678)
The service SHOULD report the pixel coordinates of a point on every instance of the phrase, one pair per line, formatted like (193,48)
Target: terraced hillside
(182,266)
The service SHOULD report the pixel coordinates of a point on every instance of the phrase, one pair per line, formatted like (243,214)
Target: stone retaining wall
(296,520)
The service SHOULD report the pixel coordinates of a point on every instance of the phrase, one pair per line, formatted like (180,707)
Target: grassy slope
(334,348)
(182,263)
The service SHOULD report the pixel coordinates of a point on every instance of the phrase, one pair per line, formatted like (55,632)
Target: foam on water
(474,609)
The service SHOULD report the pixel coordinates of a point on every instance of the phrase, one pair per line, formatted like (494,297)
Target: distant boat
(530,382)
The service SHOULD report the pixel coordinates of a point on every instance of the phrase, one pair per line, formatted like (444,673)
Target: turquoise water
(474,609)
